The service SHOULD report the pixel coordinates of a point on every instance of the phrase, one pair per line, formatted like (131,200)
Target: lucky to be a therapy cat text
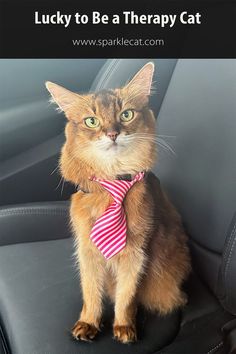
(127,18)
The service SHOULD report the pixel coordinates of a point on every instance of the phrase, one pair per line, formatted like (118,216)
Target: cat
(111,134)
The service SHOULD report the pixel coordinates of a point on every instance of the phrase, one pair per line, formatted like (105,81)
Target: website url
(123,42)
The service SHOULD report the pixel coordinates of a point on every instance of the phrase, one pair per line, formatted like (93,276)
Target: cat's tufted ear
(142,81)
(63,97)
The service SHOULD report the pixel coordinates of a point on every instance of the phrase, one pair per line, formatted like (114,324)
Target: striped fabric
(109,231)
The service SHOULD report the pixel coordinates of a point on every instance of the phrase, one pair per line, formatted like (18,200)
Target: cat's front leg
(130,268)
(92,282)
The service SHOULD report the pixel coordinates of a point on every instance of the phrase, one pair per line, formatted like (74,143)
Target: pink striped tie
(109,231)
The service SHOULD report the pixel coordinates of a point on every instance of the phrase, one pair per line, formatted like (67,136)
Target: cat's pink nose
(112,135)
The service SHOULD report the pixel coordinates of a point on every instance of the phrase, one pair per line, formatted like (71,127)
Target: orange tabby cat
(111,133)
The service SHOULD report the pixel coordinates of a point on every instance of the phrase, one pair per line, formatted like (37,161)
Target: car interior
(40,297)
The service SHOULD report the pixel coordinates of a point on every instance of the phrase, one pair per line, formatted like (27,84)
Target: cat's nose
(113,134)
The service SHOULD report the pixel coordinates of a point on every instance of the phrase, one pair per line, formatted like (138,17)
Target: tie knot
(119,188)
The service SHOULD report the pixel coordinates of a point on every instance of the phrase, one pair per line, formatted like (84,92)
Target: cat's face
(111,128)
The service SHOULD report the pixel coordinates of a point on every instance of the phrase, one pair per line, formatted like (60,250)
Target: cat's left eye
(127,115)
(92,122)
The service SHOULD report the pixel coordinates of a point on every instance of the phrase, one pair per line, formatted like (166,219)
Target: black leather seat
(40,296)
(41,299)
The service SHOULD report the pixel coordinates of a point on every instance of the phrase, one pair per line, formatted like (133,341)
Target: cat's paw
(84,331)
(125,334)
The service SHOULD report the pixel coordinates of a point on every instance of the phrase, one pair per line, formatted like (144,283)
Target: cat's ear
(142,81)
(62,97)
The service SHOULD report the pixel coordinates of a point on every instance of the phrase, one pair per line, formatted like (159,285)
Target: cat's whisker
(153,134)
(168,146)
(100,142)
(59,183)
(166,136)
(62,187)
(102,145)
(55,169)
(154,139)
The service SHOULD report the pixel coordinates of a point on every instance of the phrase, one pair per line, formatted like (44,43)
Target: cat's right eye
(127,115)
(92,122)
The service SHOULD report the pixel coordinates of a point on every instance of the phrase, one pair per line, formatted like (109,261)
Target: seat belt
(229,337)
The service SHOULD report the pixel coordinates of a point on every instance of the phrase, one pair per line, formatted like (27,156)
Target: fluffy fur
(155,262)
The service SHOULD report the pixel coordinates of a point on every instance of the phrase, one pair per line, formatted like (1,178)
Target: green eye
(127,115)
(92,122)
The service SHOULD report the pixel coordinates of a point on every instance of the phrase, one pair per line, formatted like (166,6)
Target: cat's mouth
(110,146)
(113,146)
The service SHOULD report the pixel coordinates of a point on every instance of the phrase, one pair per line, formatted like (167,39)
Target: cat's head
(110,132)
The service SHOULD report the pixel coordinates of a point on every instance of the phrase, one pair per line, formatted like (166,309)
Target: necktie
(109,231)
